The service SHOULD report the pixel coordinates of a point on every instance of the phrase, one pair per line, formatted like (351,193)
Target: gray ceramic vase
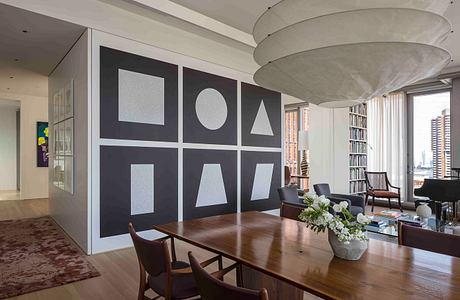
(352,251)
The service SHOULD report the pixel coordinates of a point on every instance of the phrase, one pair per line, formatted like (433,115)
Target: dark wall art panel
(260,179)
(260,116)
(138,97)
(210,183)
(137,185)
(210,108)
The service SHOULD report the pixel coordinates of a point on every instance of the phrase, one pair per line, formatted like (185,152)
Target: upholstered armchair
(356,204)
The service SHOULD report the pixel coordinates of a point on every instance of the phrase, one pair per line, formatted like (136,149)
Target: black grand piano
(440,191)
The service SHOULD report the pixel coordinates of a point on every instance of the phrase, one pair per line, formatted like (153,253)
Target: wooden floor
(119,268)
(10,195)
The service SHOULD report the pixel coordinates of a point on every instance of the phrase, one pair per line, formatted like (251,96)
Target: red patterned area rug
(36,254)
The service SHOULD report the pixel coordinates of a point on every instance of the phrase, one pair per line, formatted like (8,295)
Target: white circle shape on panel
(211,109)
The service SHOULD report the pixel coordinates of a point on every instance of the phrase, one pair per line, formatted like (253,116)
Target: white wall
(34,180)
(71,210)
(328,141)
(8,154)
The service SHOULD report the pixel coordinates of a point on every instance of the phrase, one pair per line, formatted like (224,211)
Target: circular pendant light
(342,53)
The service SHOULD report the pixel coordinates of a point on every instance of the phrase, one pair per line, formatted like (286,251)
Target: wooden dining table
(287,258)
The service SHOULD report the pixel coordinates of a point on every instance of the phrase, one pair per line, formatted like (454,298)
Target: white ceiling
(242,14)
(38,51)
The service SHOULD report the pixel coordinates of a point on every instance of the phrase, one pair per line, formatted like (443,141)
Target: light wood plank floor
(119,268)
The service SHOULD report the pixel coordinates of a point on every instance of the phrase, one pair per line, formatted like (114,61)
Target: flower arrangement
(345,226)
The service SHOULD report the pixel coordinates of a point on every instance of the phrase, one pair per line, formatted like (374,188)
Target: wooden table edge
(260,269)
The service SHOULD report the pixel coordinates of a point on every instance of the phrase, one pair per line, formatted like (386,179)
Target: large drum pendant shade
(341,53)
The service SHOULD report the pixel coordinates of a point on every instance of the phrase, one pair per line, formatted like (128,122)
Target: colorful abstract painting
(42,144)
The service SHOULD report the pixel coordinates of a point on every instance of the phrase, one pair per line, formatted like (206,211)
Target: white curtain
(387,138)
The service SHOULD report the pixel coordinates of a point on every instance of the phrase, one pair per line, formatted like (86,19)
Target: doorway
(9,150)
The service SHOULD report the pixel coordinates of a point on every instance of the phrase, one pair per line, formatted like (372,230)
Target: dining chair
(291,211)
(167,277)
(378,185)
(212,286)
(424,239)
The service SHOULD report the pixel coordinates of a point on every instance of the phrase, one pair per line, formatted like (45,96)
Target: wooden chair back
(433,241)
(153,256)
(377,181)
(291,211)
(212,288)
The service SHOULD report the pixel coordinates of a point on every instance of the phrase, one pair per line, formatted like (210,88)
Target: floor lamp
(302,146)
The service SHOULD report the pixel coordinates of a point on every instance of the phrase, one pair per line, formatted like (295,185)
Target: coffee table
(390,225)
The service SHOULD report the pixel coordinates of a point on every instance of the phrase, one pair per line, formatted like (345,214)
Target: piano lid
(445,190)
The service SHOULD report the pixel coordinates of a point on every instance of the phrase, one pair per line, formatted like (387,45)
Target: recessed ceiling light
(25,31)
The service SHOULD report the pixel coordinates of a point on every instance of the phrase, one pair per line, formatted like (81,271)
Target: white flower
(362,219)
(328,217)
(337,208)
(339,225)
(343,204)
(324,200)
(309,210)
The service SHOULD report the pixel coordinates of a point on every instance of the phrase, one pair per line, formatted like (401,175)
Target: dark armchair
(356,204)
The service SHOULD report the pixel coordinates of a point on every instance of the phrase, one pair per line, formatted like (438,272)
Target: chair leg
(389,202)
(373,202)
(367,199)
(220,263)
(400,206)
(239,276)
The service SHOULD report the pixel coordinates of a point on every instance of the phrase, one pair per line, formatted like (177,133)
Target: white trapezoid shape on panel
(262,182)
(142,189)
(140,98)
(212,188)
(261,124)
(211,109)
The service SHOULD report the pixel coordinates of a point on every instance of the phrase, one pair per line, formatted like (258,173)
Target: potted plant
(346,233)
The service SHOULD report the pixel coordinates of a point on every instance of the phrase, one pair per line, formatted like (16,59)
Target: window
(430,137)
(295,119)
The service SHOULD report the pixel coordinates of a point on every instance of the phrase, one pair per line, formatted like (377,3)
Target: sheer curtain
(387,138)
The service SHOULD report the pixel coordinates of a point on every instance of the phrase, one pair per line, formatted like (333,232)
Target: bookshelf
(357,148)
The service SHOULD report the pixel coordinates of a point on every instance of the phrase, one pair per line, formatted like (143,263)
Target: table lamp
(302,145)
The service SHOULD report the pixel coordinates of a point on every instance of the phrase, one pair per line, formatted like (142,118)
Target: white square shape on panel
(142,189)
(141,98)
(262,182)
(212,188)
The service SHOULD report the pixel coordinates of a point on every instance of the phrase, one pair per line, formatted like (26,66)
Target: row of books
(357,173)
(358,121)
(357,187)
(359,109)
(358,134)
(357,147)
(358,160)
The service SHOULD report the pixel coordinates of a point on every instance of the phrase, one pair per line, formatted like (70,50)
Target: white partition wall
(167,132)
(72,210)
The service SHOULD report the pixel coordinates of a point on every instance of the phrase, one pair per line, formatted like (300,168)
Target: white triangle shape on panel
(261,124)
(212,188)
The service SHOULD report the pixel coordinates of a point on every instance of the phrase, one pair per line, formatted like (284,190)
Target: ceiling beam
(196,18)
